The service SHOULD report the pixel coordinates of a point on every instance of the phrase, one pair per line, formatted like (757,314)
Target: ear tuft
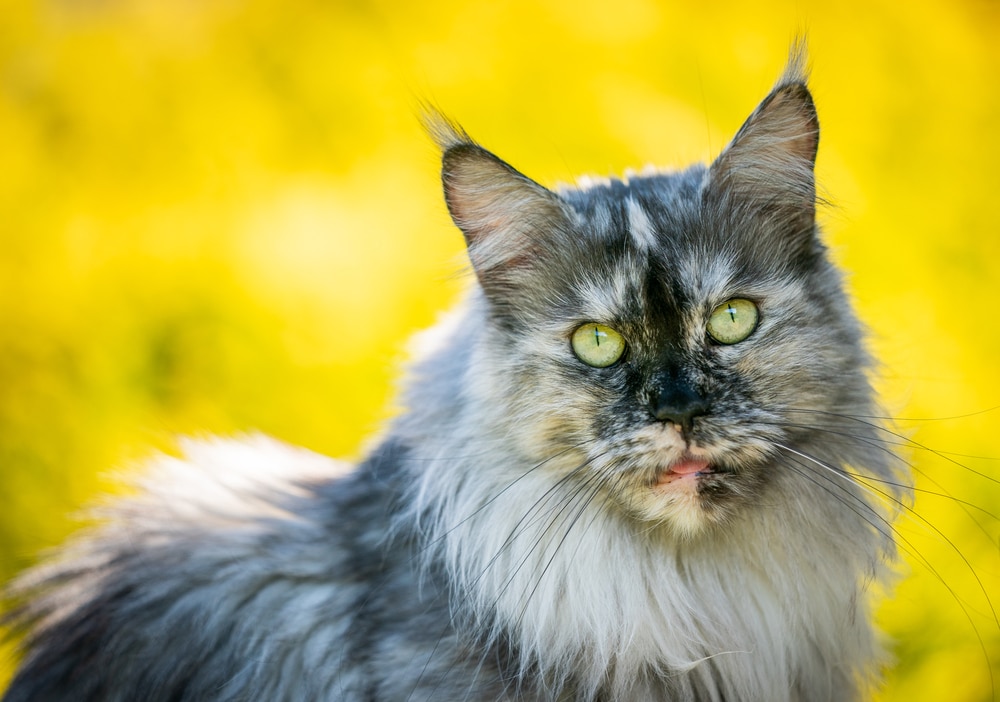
(796,67)
(770,160)
(445,131)
(504,215)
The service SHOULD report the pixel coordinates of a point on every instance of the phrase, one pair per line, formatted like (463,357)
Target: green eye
(597,345)
(733,321)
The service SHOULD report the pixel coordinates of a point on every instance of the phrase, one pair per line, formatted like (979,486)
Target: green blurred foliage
(223,216)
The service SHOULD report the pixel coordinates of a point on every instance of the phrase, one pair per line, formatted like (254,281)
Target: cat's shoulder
(221,550)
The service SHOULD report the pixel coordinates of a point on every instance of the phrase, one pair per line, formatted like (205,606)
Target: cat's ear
(769,165)
(508,220)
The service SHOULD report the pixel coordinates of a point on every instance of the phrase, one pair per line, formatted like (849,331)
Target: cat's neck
(595,599)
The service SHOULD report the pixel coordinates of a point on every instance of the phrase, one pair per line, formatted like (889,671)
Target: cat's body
(673,521)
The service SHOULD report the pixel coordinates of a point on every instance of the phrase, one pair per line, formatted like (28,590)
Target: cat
(626,470)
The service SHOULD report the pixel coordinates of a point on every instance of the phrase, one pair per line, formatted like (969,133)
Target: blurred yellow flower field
(221,217)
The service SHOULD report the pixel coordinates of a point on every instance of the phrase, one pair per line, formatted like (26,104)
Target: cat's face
(668,340)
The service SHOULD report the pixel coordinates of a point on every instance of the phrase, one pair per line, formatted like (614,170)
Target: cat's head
(672,337)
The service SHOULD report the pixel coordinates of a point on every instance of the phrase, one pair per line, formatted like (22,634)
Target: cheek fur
(550,400)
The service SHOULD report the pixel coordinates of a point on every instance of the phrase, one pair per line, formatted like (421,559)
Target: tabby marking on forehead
(605,299)
(640,227)
(709,279)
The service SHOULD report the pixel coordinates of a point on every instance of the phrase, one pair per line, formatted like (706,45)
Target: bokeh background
(221,216)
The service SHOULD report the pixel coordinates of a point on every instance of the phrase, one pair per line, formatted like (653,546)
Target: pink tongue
(689,466)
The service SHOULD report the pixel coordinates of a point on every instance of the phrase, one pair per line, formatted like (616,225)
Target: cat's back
(235,572)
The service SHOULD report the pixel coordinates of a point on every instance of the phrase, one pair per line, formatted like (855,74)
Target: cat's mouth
(688,467)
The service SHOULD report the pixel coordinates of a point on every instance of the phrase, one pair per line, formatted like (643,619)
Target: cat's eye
(733,321)
(598,345)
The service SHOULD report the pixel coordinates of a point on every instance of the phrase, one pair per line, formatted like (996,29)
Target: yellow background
(220,216)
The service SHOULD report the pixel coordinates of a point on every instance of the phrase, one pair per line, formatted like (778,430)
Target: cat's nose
(678,402)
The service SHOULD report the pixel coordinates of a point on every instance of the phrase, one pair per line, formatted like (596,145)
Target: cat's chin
(679,498)
(688,484)
(689,494)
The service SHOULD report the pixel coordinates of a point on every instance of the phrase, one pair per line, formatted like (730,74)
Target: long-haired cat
(626,471)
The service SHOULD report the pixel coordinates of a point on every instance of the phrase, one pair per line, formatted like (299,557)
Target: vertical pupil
(732,313)
(597,336)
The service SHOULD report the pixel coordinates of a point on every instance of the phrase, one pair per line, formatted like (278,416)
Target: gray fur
(509,538)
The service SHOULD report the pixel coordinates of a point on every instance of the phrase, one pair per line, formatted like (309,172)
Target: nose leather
(678,401)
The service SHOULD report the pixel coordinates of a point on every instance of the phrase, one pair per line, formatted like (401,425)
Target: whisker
(581,489)
(977,413)
(897,535)
(499,494)
(590,495)
(444,534)
(880,444)
(909,510)
(908,441)
(889,531)
(529,518)
(526,521)
(903,441)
